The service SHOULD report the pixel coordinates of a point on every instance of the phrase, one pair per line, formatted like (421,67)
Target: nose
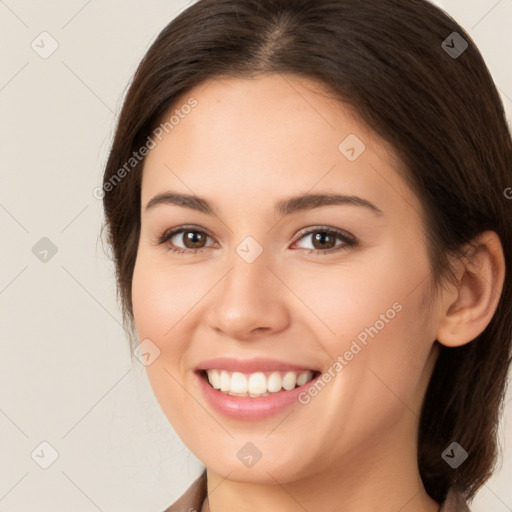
(250,301)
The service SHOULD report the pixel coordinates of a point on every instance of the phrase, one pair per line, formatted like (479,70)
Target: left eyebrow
(284,207)
(310,201)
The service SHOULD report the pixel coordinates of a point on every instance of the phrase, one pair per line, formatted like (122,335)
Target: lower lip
(250,408)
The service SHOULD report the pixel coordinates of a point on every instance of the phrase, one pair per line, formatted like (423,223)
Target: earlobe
(470,308)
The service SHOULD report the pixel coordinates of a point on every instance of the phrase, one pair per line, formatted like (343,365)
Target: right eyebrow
(184,200)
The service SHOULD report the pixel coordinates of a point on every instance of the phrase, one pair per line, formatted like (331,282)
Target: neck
(383,475)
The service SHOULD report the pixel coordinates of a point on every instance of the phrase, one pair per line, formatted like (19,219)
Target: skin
(245,146)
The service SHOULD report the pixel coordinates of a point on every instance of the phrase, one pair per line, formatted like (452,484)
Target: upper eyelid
(313,229)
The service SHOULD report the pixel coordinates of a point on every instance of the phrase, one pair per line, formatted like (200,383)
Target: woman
(258,135)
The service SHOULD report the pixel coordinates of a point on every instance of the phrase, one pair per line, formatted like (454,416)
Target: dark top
(192,499)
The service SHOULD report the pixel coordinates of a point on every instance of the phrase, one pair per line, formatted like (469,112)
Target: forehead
(274,135)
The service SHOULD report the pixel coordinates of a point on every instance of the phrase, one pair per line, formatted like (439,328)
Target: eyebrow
(284,207)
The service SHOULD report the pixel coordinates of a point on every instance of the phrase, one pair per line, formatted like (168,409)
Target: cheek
(375,291)
(162,297)
(392,369)
(374,318)
(161,300)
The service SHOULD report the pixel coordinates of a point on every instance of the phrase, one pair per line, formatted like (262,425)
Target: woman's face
(265,291)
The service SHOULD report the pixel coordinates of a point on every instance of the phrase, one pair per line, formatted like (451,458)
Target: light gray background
(66,376)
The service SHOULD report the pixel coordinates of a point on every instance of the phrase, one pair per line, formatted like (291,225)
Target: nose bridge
(249,298)
(249,266)
(248,280)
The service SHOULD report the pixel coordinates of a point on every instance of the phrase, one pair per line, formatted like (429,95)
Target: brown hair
(442,115)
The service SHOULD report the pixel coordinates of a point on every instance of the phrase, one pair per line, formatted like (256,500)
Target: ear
(468,310)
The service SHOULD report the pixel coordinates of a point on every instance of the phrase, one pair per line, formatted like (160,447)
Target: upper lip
(231,364)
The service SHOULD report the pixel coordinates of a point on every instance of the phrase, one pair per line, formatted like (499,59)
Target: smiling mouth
(257,384)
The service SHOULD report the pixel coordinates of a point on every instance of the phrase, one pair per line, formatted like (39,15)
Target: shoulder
(192,499)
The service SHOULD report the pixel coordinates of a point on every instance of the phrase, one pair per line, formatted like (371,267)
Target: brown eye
(324,240)
(193,239)
(184,239)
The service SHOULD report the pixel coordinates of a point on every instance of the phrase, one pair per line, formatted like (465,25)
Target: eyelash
(347,240)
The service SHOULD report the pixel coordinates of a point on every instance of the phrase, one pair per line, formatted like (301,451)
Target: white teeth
(225,381)
(258,383)
(238,383)
(215,379)
(275,382)
(289,380)
(303,378)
